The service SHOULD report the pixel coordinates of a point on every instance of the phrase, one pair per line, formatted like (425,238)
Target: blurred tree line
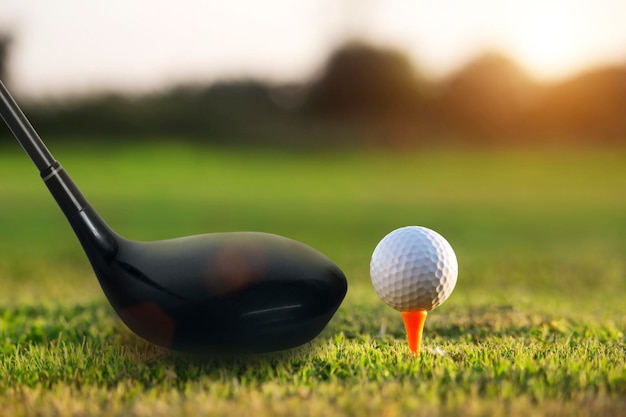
(363,95)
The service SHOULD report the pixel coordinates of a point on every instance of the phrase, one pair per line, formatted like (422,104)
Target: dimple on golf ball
(414,268)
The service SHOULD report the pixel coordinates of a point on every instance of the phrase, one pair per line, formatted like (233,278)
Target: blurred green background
(540,227)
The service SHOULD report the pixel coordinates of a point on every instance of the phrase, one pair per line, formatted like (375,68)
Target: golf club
(245,292)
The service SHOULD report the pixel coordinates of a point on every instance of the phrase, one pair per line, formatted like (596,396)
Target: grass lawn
(535,326)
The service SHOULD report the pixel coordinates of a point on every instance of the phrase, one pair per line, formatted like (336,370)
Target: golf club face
(241,292)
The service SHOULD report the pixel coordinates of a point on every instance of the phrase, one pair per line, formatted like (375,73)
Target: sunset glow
(139,45)
(553,39)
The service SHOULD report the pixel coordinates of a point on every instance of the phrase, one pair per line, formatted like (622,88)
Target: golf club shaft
(24,131)
(61,186)
(89,227)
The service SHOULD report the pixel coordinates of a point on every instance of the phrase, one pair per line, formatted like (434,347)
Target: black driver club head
(239,292)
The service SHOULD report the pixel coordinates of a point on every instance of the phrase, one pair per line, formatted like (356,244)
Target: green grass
(535,326)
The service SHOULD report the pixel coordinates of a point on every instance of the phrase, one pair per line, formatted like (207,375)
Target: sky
(67,46)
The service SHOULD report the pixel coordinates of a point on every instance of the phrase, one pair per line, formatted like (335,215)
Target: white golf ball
(414,268)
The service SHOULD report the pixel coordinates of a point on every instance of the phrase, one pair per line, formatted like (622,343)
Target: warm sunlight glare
(551,39)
